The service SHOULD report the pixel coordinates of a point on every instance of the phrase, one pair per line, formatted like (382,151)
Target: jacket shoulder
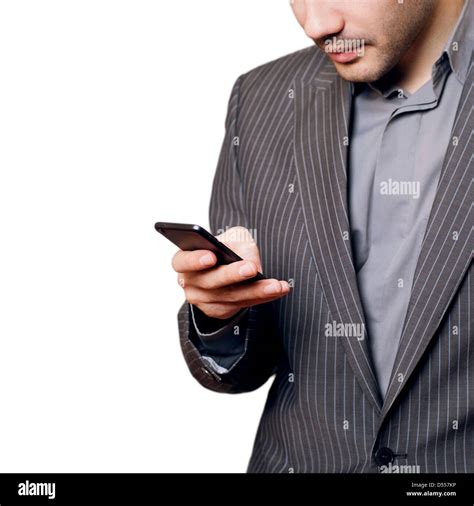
(281,72)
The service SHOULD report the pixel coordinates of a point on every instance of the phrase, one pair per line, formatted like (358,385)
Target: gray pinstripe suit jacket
(286,178)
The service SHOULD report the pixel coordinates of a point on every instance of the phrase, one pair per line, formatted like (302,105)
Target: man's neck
(414,69)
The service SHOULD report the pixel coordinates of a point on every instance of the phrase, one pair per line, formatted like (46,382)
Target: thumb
(240,240)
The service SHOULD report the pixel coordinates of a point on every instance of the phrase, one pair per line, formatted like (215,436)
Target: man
(349,165)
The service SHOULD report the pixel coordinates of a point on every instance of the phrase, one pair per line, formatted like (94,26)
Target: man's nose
(322,19)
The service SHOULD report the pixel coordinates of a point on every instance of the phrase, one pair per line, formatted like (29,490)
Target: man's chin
(361,70)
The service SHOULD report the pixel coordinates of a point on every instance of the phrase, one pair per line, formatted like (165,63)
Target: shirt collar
(461,43)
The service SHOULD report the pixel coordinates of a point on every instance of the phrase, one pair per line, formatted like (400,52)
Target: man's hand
(218,291)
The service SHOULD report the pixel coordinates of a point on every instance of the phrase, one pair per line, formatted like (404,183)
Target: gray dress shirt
(397,145)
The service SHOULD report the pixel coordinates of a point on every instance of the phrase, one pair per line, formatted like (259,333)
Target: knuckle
(254,266)
(175,262)
(204,281)
(191,296)
(200,295)
(229,275)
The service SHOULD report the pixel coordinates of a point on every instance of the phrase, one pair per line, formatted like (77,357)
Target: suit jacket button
(384,456)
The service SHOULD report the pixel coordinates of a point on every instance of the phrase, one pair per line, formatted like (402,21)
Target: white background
(111,118)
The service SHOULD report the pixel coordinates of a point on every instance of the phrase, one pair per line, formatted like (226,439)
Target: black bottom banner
(237,489)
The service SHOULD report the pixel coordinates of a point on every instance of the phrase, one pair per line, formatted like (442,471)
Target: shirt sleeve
(219,341)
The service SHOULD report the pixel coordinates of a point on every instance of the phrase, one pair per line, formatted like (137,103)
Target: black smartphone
(192,237)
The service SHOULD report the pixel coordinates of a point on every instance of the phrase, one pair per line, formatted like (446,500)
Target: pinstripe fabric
(282,173)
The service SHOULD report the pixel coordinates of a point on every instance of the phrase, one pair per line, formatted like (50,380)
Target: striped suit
(282,172)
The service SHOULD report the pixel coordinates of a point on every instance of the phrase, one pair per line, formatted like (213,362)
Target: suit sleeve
(239,354)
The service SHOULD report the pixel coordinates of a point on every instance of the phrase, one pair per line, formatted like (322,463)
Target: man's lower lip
(343,57)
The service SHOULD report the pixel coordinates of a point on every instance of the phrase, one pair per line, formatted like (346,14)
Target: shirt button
(384,456)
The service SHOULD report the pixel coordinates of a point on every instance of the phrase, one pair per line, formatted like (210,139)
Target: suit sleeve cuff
(220,342)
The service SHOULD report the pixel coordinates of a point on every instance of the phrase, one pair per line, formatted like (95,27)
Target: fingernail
(206,259)
(247,270)
(273,288)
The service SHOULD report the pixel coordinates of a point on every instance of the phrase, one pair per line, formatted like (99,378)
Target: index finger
(191,261)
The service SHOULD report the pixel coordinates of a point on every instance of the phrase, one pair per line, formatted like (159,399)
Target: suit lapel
(446,251)
(322,109)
